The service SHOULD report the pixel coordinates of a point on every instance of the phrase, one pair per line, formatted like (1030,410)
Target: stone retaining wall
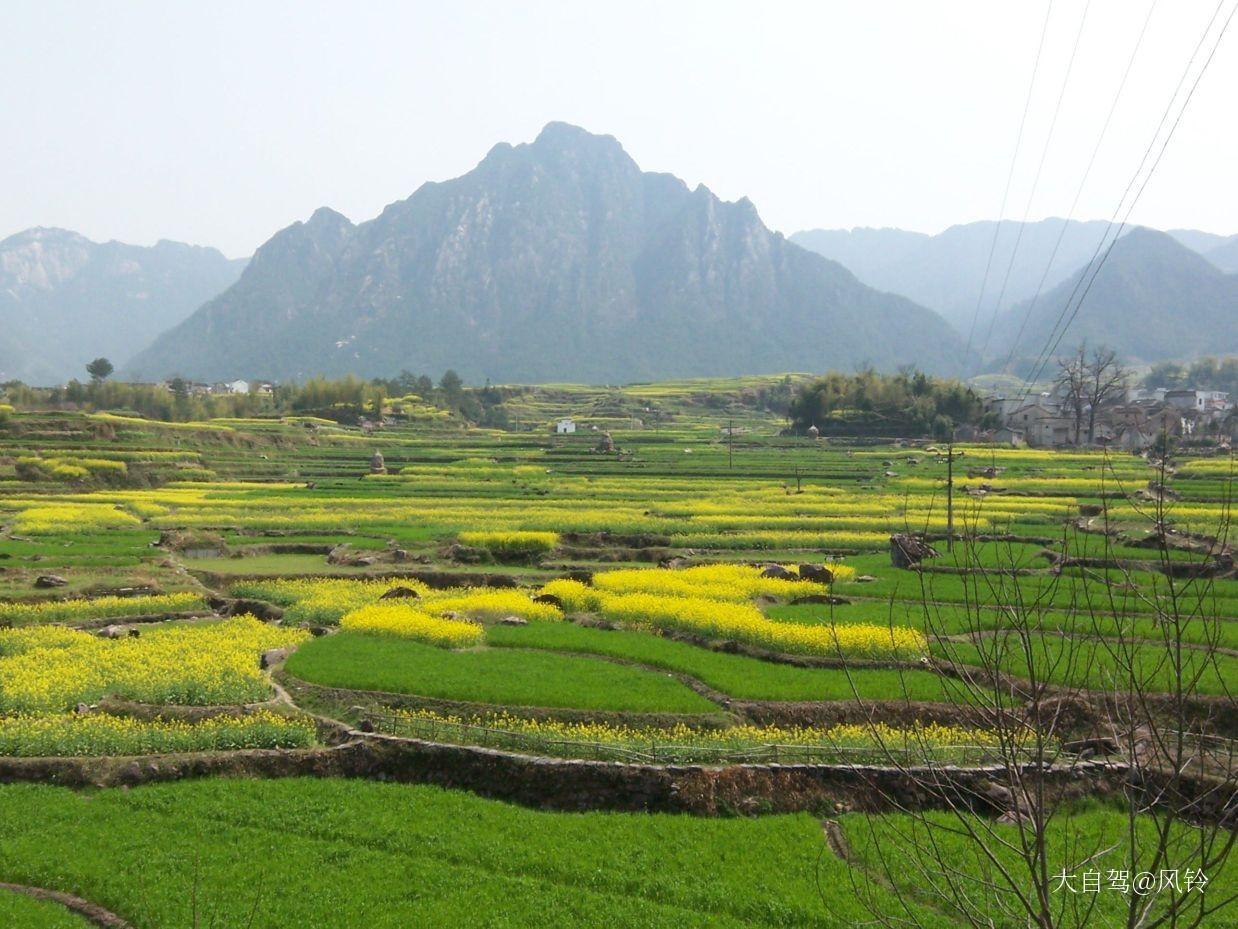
(556,783)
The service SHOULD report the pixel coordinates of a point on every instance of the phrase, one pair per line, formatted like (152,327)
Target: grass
(322,854)
(507,677)
(21,912)
(388,856)
(735,675)
(1090,829)
(954,619)
(1085,663)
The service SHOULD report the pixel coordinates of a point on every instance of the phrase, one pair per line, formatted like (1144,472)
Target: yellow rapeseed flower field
(742,622)
(405,621)
(50,669)
(511,542)
(101,734)
(47,611)
(714,601)
(65,517)
(321,600)
(489,603)
(919,739)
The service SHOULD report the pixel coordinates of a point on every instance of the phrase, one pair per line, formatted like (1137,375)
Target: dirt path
(91,912)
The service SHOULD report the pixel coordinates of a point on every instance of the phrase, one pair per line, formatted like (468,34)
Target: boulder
(44,581)
(778,571)
(401,593)
(513,621)
(818,574)
(113,632)
(273,656)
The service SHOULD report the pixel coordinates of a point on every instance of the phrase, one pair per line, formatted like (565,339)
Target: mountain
(1225,255)
(65,299)
(1197,241)
(552,260)
(1153,300)
(944,272)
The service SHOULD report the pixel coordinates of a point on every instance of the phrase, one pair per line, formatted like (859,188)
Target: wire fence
(657,752)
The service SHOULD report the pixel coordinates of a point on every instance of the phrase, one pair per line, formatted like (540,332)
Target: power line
(1160,154)
(1044,152)
(1079,190)
(1051,343)
(1040,361)
(1014,160)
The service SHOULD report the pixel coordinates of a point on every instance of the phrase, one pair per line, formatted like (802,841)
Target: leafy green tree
(868,403)
(99,370)
(451,386)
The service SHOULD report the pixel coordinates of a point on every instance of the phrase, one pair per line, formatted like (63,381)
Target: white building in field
(237,387)
(565,426)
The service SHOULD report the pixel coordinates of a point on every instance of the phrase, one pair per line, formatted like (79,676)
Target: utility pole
(950,495)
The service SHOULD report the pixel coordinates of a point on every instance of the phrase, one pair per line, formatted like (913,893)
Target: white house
(237,387)
(565,426)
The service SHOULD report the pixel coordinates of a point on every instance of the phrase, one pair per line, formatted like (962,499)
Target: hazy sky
(219,122)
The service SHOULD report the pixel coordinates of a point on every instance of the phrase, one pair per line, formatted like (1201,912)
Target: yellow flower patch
(49,669)
(405,621)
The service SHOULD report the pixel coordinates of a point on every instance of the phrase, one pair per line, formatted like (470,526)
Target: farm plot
(510,581)
(516,866)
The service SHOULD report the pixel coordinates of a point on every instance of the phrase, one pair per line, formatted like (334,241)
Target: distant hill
(1225,255)
(944,271)
(1153,300)
(65,299)
(1197,241)
(550,261)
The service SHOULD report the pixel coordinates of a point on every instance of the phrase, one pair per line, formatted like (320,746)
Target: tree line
(902,404)
(347,399)
(1203,373)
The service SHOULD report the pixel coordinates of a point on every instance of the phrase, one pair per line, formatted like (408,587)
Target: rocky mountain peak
(554,259)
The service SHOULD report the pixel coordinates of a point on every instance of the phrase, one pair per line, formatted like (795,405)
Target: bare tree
(1072,386)
(1087,382)
(1105,383)
(1098,677)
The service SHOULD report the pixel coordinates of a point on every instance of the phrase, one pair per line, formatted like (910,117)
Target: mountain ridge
(65,299)
(1135,304)
(552,259)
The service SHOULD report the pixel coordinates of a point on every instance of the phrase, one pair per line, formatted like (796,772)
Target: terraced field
(707,592)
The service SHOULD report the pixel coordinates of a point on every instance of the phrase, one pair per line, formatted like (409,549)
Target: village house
(1201,401)
(565,426)
(1042,425)
(1134,425)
